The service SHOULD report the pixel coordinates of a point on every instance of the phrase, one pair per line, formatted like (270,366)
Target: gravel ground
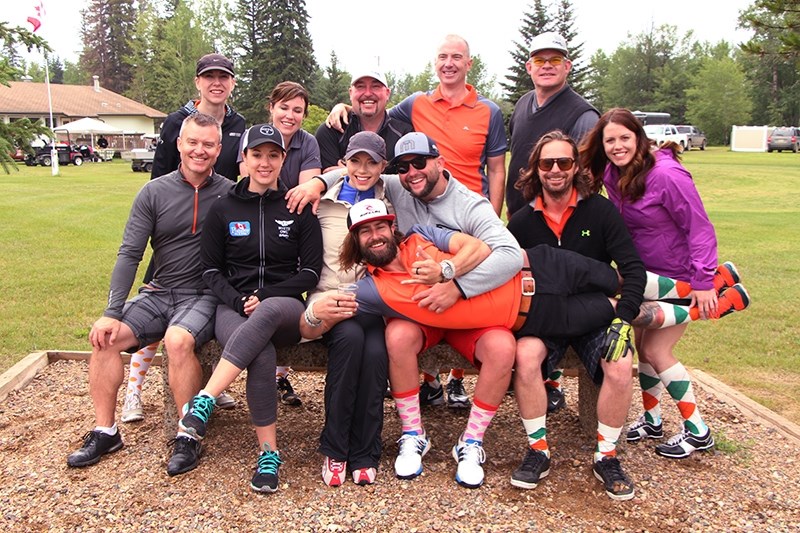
(751,483)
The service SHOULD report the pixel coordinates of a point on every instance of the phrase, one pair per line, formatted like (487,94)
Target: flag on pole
(38,17)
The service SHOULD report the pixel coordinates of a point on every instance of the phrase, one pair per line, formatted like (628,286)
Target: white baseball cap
(549,41)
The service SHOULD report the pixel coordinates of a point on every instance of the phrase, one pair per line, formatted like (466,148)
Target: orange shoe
(733,299)
(725,276)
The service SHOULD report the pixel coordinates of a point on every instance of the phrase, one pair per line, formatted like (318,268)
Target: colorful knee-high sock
(607,438)
(282,371)
(407,404)
(431,377)
(652,387)
(480,416)
(536,430)
(140,364)
(660,287)
(679,385)
(554,379)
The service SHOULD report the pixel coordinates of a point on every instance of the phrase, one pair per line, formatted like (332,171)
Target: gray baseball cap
(415,143)
(369,142)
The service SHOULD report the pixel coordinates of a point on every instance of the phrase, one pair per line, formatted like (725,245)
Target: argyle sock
(652,388)
(607,438)
(480,416)
(431,378)
(407,404)
(282,371)
(554,379)
(660,287)
(140,364)
(679,385)
(536,430)
(456,373)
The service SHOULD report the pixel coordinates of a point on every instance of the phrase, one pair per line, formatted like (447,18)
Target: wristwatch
(448,270)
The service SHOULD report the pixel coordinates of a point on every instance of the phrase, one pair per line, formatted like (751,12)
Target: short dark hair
(287,90)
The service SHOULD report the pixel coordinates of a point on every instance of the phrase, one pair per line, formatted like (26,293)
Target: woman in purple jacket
(672,232)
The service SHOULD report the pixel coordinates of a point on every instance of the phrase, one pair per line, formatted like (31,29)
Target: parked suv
(784,139)
(694,137)
(661,133)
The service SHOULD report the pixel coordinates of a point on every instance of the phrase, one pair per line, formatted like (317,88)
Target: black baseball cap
(214,62)
(261,134)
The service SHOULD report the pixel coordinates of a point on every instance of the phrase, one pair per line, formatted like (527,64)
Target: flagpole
(53,150)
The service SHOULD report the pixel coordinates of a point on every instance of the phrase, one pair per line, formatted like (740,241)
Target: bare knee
(617,374)
(530,354)
(179,344)
(403,338)
(496,348)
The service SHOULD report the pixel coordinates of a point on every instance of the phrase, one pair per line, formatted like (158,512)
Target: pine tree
(333,87)
(535,21)
(108,26)
(276,46)
(565,25)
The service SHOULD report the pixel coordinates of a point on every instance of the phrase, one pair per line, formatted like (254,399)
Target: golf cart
(142,158)
(67,153)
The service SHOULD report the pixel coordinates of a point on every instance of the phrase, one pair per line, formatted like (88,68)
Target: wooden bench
(313,356)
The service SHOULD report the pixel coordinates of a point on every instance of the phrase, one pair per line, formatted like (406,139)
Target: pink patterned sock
(407,404)
(480,416)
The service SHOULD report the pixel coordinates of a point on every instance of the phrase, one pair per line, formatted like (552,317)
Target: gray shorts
(152,311)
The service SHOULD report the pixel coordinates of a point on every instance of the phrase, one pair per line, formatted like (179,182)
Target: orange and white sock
(140,364)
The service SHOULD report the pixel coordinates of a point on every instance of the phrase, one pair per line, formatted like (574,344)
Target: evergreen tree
(56,68)
(275,46)
(73,75)
(108,26)
(333,87)
(535,21)
(165,54)
(565,25)
(479,77)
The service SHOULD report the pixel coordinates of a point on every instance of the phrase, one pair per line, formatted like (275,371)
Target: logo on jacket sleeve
(239,229)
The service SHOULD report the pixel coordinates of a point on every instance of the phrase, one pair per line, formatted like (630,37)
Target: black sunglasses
(418,162)
(564,163)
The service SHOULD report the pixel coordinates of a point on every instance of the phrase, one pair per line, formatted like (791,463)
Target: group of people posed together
(382,237)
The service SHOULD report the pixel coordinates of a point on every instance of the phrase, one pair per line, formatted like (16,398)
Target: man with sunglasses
(552,104)
(563,213)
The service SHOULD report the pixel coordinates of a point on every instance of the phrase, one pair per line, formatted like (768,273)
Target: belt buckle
(532,286)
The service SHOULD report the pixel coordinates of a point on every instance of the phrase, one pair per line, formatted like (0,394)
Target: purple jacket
(669,224)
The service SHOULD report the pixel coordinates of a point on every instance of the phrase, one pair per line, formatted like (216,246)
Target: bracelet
(310,318)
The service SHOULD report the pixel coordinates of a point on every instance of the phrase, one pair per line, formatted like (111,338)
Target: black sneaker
(95,445)
(185,455)
(683,444)
(642,429)
(266,476)
(617,484)
(535,466)
(457,395)
(286,392)
(555,399)
(429,395)
(195,420)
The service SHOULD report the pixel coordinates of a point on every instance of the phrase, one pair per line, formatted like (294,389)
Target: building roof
(30,98)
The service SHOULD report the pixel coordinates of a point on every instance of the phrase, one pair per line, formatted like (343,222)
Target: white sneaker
(470,457)
(132,408)
(334,472)
(225,401)
(408,464)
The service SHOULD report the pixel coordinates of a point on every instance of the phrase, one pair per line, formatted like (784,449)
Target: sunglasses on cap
(564,163)
(418,162)
(540,61)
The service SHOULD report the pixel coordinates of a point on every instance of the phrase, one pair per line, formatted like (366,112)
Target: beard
(379,258)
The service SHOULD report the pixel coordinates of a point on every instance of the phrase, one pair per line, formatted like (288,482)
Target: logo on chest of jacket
(283,228)
(586,233)
(239,228)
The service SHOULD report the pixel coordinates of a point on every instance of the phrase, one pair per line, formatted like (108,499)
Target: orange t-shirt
(498,307)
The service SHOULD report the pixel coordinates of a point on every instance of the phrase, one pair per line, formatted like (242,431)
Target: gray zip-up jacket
(169,212)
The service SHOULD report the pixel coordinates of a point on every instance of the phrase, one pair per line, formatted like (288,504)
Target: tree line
(147,51)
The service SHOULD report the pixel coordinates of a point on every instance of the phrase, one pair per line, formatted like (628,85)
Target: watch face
(447,270)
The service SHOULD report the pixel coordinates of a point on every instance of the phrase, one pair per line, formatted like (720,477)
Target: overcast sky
(402,36)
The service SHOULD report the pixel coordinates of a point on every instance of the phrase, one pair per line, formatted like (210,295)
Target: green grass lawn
(59,238)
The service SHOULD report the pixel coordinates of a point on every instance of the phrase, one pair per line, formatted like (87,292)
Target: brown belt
(527,290)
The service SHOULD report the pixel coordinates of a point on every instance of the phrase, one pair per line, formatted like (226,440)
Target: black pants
(572,293)
(354,388)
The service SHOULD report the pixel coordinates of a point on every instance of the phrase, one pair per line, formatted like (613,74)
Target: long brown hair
(631,178)
(350,253)
(529,182)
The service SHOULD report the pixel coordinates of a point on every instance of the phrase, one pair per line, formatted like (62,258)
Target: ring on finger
(417,271)
(337,303)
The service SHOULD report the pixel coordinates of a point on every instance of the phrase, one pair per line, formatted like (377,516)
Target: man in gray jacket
(175,305)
